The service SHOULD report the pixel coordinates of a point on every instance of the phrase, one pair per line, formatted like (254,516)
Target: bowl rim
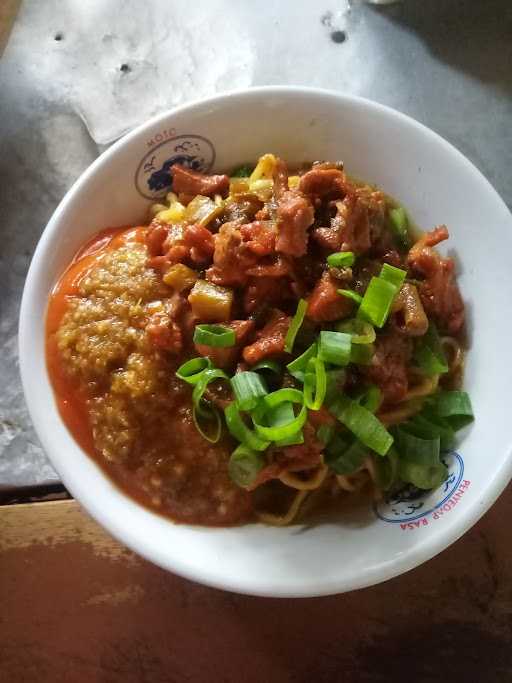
(384,571)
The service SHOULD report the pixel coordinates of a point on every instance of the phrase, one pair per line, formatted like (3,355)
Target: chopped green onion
(315,384)
(362,354)
(217,336)
(371,398)
(245,465)
(295,325)
(240,431)
(192,369)
(341,259)
(419,450)
(415,448)
(243,171)
(248,388)
(268,421)
(350,294)
(345,457)
(455,407)
(202,417)
(428,425)
(377,301)
(360,330)
(283,395)
(400,226)
(282,414)
(325,433)
(294,440)
(394,275)
(386,470)
(207,376)
(421,476)
(334,347)
(363,424)
(429,354)
(298,366)
(335,383)
(271,365)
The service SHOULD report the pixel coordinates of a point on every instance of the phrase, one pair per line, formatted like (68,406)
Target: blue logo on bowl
(411,504)
(153,179)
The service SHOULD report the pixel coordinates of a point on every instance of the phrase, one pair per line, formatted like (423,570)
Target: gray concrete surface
(448,63)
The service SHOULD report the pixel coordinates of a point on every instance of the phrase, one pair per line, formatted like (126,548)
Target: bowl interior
(437,185)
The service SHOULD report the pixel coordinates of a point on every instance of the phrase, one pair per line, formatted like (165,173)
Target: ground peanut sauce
(71,397)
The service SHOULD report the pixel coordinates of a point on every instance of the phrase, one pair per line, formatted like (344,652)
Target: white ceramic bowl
(437,185)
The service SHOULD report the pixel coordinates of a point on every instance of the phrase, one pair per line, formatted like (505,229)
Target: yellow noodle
(455,355)
(425,386)
(295,482)
(284,520)
(352,482)
(303,488)
(401,413)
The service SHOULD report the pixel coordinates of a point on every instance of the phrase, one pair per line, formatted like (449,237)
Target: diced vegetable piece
(180,277)
(211,303)
(264,168)
(202,210)
(174,214)
(238,185)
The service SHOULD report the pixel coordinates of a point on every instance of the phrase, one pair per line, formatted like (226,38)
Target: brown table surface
(77,606)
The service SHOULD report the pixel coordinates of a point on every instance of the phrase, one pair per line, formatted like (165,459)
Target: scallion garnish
(240,431)
(422,476)
(345,456)
(416,448)
(248,388)
(207,422)
(429,354)
(267,364)
(377,301)
(371,398)
(454,407)
(282,414)
(394,275)
(400,226)
(386,470)
(361,354)
(363,424)
(295,325)
(267,421)
(297,367)
(335,383)
(325,433)
(244,465)
(191,371)
(217,336)
(315,384)
(361,331)
(341,259)
(207,376)
(419,461)
(334,347)
(351,294)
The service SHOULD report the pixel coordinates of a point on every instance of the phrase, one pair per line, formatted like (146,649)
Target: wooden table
(77,606)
